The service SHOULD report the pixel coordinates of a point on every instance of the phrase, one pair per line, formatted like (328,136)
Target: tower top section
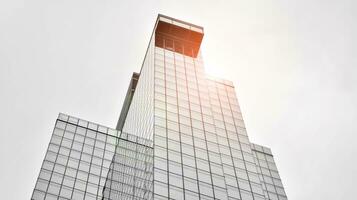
(178,36)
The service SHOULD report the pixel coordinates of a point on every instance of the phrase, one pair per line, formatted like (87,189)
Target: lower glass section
(268,173)
(131,172)
(88,161)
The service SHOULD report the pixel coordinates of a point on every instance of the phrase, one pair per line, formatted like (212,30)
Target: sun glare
(213,71)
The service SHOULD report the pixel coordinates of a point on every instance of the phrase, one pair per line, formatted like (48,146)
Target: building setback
(180,135)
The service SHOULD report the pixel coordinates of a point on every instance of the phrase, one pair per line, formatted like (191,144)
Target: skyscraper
(180,135)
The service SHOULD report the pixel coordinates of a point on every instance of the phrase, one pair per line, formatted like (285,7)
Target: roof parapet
(178,36)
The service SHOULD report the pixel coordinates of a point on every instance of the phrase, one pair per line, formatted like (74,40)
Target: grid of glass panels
(77,160)
(181,153)
(234,144)
(139,120)
(131,171)
(201,149)
(268,173)
(80,158)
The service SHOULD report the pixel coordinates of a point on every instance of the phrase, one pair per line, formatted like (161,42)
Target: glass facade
(201,149)
(268,173)
(131,171)
(88,161)
(183,135)
(139,118)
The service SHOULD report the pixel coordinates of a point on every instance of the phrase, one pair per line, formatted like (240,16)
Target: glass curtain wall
(268,173)
(201,149)
(88,161)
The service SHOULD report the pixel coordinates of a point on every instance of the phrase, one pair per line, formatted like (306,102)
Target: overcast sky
(293,63)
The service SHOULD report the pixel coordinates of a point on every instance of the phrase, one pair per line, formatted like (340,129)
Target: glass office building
(180,135)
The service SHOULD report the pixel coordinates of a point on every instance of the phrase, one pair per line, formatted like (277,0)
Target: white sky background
(293,64)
